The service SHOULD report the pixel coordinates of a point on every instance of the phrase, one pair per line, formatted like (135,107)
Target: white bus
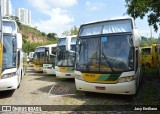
(11,68)
(65,59)
(50,57)
(30,57)
(108,57)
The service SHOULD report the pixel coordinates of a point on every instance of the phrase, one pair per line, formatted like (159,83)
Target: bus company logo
(6,108)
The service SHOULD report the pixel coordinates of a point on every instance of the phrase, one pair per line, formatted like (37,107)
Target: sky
(57,16)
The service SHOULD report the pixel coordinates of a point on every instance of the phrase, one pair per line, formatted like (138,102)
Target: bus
(149,56)
(158,56)
(50,57)
(11,60)
(25,62)
(108,57)
(30,56)
(65,59)
(38,58)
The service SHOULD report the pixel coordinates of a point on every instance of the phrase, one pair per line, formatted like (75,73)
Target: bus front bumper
(38,69)
(65,74)
(49,71)
(9,83)
(127,88)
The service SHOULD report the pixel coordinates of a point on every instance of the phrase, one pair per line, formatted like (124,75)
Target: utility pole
(151,30)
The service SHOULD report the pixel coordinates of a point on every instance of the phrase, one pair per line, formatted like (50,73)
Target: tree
(73,31)
(66,33)
(141,8)
(43,34)
(52,35)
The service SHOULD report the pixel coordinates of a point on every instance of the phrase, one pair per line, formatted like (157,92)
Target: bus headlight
(126,79)
(78,75)
(8,75)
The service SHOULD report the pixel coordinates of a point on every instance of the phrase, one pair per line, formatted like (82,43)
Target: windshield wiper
(91,61)
(110,66)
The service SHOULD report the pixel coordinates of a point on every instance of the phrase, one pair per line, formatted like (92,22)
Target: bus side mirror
(19,40)
(136,38)
(68,44)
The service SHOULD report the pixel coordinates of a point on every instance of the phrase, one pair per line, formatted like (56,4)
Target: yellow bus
(38,58)
(65,59)
(149,56)
(108,57)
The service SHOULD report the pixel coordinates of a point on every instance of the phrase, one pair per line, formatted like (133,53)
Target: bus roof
(51,45)
(7,29)
(67,36)
(108,20)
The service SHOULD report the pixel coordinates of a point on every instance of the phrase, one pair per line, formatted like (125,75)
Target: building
(24,16)
(6,7)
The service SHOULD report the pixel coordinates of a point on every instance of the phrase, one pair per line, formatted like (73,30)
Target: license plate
(100,88)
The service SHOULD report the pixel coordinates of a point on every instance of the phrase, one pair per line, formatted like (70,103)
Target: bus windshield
(105,53)
(146,51)
(50,57)
(39,55)
(9,52)
(65,58)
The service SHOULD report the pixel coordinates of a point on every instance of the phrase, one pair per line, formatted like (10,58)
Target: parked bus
(108,57)
(38,58)
(50,57)
(65,59)
(158,55)
(11,59)
(25,62)
(149,56)
(30,56)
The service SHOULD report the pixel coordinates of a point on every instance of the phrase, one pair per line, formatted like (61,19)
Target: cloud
(59,18)
(46,5)
(94,5)
(59,21)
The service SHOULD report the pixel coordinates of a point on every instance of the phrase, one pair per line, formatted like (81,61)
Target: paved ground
(40,89)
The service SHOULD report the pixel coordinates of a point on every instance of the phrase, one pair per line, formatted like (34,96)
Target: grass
(149,92)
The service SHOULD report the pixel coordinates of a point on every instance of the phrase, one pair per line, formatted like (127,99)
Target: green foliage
(66,33)
(141,8)
(51,35)
(43,34)
(73,31)
(148,41)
